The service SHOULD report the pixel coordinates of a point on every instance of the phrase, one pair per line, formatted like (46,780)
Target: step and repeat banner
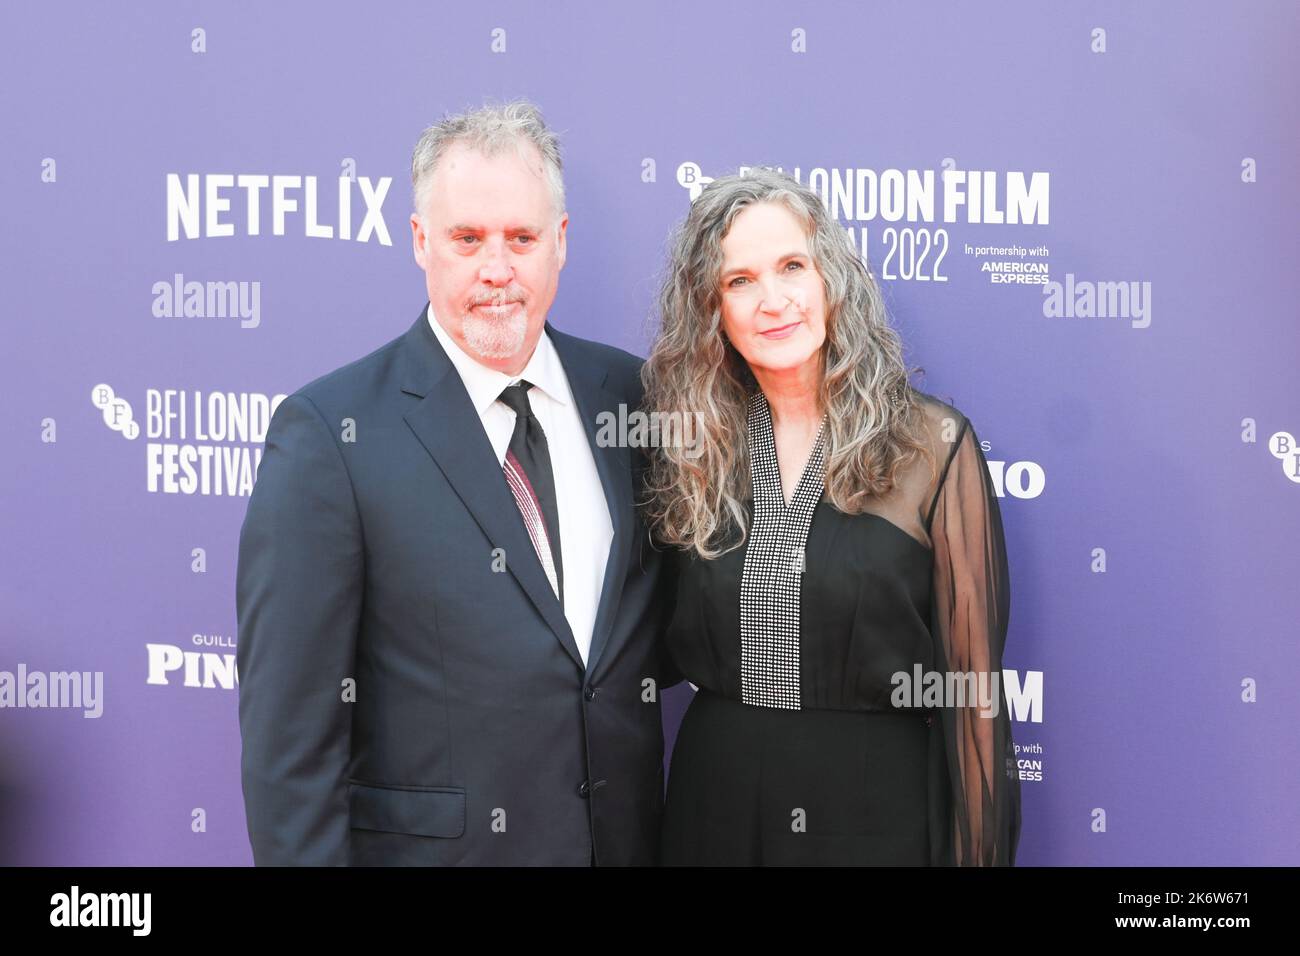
(1083,217)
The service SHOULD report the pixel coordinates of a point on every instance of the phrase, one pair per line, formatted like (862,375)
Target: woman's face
(773,297)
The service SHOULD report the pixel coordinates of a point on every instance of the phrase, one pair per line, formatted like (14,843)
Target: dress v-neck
(768,432)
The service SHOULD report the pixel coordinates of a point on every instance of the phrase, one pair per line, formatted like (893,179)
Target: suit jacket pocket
(422,811)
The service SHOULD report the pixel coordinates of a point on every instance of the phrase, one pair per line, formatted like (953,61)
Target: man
(448,608)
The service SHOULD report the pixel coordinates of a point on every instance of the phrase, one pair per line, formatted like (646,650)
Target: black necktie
(528,472)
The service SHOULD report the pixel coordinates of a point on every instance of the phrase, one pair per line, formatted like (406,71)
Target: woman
(836,536)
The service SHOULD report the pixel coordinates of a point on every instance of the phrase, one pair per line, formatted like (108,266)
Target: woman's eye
(741,279)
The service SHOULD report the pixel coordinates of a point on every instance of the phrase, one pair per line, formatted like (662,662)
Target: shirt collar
(485,384)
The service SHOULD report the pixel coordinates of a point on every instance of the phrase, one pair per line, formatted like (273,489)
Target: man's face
(490,252)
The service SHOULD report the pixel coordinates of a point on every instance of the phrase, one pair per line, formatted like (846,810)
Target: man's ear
(419,241)
(561,239)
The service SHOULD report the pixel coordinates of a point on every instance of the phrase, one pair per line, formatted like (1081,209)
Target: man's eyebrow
(785,258)
(462,227)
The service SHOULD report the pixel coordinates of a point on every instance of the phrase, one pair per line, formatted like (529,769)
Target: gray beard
(495,338)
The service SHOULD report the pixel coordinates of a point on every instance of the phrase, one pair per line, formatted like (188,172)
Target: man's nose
(496,267)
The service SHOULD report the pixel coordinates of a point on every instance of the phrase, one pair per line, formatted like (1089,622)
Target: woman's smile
(782,331)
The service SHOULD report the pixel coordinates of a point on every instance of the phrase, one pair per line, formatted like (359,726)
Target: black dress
(796,748)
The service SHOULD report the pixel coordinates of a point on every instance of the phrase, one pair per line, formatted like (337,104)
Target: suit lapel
(588,383)
(451,431)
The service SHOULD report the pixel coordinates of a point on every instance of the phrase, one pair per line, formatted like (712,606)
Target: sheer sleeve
(969,611)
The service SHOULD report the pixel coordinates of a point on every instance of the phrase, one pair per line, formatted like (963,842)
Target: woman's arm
(971,604)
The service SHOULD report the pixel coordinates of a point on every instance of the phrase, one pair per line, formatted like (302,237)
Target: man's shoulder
(371,374)
(623,368)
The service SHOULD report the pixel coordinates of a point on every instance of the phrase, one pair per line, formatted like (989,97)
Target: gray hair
(490,130)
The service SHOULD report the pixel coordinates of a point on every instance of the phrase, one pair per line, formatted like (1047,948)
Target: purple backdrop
(1151,524)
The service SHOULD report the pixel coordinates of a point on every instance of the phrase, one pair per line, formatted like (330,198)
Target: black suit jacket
(403,698)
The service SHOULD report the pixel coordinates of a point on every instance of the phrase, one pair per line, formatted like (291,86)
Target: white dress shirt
(586,530)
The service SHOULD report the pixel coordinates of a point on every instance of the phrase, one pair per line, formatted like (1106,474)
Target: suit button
(585,789)
(589,693)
